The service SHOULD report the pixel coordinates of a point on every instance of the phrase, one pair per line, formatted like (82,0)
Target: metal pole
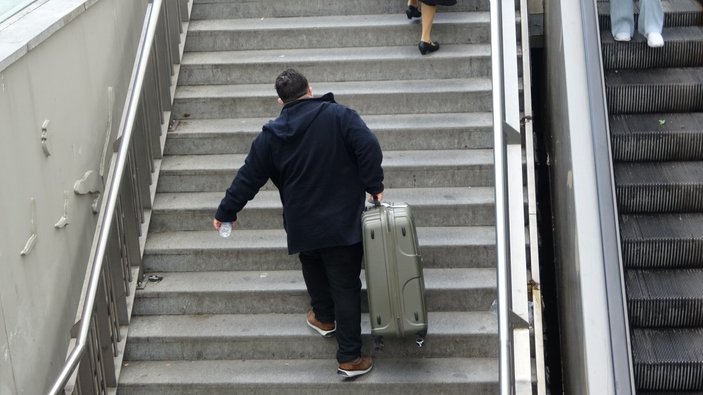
(502,246)
(113,190)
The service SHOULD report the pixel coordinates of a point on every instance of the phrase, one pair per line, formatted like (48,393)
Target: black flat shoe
(426,48)
(412,12)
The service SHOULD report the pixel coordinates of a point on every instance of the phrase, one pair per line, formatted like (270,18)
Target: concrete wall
(61,75)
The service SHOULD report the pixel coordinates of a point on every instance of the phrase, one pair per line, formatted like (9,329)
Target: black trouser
(332,278)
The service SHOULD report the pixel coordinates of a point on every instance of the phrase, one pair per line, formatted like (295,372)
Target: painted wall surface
(64,80)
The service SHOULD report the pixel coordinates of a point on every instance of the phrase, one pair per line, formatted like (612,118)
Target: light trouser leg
(622,18)
(651,19)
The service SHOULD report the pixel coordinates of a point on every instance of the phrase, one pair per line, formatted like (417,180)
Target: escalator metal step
(668,359)
(657,137)
(676,13)
(665,241)
(684,48)
(666,187)
(665,298)
(655,102)
(654,90)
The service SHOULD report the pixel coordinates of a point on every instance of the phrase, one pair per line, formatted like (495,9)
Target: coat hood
(297,116)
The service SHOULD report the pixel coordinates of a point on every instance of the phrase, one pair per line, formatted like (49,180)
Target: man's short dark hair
(291,85)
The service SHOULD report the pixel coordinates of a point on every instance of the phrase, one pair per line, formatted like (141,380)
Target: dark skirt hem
(438,2)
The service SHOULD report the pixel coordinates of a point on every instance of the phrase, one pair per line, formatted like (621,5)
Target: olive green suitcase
(394,281)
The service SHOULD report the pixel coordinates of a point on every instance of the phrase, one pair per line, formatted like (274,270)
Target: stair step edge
(174,327)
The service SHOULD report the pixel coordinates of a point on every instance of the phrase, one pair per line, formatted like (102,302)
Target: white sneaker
(622,36)
(655,40)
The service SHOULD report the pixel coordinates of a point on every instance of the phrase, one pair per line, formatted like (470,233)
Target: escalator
(655,103)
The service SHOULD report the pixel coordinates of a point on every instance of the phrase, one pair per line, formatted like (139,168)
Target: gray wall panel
(64,78)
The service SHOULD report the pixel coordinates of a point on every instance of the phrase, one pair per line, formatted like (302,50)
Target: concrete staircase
(655,98)
(228,314)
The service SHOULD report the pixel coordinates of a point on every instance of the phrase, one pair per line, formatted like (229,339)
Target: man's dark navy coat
(323,158)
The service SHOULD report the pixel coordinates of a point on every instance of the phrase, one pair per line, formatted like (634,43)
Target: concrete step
(402,169)
(461,376)
(659,187)
(227,315)
(655,90)
(665,298)
(440,247)
(683,48)
(668,359)
(431,207)
(261,292)
(335,64)
(676,13)
(287,336)
(657,137)
(337,31)
(366,97)
(228,9)
(663,241)
(394,132)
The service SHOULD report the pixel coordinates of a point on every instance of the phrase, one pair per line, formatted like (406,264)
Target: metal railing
(116,251)
(535,290)
(510,216)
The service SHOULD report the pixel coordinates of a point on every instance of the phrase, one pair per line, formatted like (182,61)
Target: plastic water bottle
(226,229)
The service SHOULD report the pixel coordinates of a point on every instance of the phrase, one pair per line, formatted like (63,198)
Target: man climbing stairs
(228,315)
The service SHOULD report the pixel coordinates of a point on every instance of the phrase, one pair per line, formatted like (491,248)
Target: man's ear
(279,101)
(310,91)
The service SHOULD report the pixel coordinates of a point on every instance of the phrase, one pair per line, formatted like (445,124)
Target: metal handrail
(501,191)
(112,193)
(505,134)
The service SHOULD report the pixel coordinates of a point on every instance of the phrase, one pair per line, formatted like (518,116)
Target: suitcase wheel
(420,340)
(378,343)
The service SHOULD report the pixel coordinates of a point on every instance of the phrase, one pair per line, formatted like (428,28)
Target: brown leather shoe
(325,329)
(357,367)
